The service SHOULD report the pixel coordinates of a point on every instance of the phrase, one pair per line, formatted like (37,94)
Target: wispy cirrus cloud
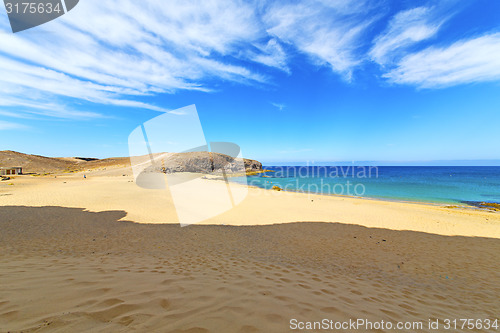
(271,54)
(404,29)
(122,52)
(28,109)
(7,125)
(466,61)
(280,106)
(328,31)
(115,52)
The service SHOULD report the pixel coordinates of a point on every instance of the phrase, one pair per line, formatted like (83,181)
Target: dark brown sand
(69,270)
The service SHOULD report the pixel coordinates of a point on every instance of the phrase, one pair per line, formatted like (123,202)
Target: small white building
(6,171)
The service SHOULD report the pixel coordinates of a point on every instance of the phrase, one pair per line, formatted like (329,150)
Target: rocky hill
(176,162)
(34,163)
(205,162)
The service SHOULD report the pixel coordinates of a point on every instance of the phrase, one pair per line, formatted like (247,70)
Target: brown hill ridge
(178,162)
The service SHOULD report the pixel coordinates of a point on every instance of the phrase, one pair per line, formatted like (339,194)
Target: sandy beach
(114,189)
(249,166)
(101,254)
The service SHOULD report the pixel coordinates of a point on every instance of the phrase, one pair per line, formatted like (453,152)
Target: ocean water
(435,184)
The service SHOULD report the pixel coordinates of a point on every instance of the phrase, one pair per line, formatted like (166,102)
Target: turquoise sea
(435,184)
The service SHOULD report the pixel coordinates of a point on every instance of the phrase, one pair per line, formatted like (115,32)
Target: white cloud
(29,109)
(120,52)
(328,31)
(404,29)
(271,54)
(466,61)
(280,106)
(111,52)
(7,125)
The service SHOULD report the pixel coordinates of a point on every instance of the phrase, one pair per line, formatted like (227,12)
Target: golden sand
(72,260)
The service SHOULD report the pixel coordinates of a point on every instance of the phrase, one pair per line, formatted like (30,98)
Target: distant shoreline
(458,186)
(469,206)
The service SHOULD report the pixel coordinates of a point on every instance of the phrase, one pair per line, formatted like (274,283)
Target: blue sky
(340,80)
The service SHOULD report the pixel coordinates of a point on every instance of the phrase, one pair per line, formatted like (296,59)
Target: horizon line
(464,162)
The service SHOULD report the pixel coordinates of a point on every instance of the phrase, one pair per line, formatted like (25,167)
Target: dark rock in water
(252,165)
(484,205)
(490,205)
(277,188)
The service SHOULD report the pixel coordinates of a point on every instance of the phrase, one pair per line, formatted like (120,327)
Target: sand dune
(73,260)
(114,189)
(84,270)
